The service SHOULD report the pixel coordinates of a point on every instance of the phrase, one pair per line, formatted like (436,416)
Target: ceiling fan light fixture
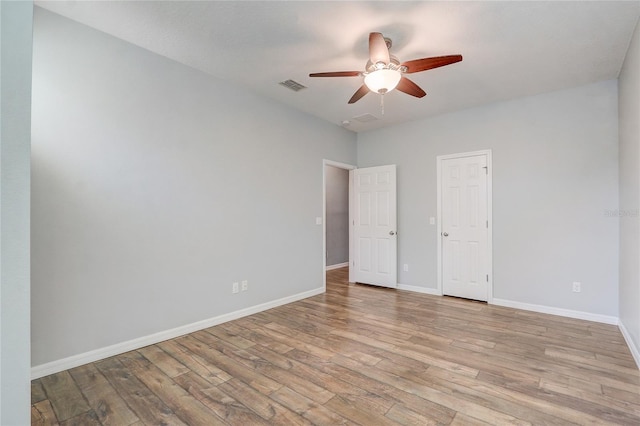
(384,72)
(382,81)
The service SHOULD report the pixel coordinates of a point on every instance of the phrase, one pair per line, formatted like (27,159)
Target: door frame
(439,160)
(324,215)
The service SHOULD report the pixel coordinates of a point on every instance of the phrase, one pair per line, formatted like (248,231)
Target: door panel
(464,235)
(374,226)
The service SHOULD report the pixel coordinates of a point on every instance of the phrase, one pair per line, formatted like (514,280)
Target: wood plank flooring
(360,355)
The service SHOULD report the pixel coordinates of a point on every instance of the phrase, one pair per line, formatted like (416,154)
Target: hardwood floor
(360,355)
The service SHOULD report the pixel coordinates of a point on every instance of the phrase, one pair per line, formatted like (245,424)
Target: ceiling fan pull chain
(382,104)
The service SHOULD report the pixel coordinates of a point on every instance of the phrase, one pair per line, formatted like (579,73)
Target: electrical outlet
(405,267)
(244,285)
(234,288)
(577,287)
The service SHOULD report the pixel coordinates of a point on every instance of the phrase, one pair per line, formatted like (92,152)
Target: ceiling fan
(384,72)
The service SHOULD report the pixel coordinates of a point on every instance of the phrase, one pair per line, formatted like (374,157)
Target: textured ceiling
(510,49)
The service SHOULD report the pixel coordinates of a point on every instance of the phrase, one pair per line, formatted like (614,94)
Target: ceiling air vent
(365,118)
(293,85)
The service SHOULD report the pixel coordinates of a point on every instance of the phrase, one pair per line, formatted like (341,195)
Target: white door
(373,220)
(464,226)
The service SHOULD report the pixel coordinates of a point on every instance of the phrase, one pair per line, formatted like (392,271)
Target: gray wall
(629,107)
(337,215)
(155,187)
(15,126)
(555,172)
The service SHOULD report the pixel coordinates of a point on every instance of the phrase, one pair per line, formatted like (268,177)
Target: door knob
(392,233)
(445,234)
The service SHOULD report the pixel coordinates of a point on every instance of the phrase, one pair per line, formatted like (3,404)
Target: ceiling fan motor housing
(394,64)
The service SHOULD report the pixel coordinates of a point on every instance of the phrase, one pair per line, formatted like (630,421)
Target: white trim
(635,352)
(417,289)
(119,348)
(339,165)
(490,223)
(439,159)
(465,154)
(336,266)
(439,224)
(345,166)
(606,319)
(352,255)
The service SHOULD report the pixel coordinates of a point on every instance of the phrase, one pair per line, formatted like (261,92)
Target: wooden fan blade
(424,64)
(363,90)
(336,74)
(378,51)
(410,88)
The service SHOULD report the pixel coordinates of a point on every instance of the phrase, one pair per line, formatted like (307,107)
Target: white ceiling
(510,49)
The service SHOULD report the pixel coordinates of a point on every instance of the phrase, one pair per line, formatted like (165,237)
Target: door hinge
(487,223)
(486,170)
(487,277)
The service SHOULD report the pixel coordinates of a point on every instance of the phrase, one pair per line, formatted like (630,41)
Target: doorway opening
(336,239)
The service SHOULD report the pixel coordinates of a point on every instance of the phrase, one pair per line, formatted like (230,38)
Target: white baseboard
(119,348)
(632,346)
(336,266)
(425,290)
(606,319)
